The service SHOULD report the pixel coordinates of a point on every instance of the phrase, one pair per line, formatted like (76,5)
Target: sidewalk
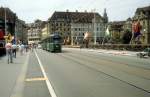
(9,73)
(114,52)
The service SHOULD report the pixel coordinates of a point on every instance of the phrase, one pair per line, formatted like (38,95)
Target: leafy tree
(127,37)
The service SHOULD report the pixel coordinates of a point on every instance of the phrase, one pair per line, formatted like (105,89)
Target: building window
(68,33)
(143,38)
(144,23)
(60,24)
(75,29)
(56,24)
(64,24)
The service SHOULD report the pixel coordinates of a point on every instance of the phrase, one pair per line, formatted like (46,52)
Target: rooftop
(74,16)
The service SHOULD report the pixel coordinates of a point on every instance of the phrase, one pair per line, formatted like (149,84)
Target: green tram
(52,43)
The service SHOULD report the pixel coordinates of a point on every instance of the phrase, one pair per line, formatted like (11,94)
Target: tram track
(67,56)
(144,76)
(108,61)
(130,65)
(76,60)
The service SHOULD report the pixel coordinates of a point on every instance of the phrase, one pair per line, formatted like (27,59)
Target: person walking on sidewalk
(14,49)
(21,48)
(8,47)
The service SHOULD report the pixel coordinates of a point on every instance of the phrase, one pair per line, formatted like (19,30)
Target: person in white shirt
(8,47)
(21,47)
(14,49)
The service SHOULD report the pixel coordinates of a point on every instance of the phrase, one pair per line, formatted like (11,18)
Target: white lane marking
(35,79)
(50,88)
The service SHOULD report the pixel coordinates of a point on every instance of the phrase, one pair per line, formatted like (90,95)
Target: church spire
(105,16)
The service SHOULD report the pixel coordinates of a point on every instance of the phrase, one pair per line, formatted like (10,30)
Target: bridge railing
(131,47)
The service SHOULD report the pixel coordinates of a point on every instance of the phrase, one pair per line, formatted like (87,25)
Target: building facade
(10,23)
(35,32)
(94,26)
(60,23)
(21,31)
(78,31)
(116,31)
(143,16)
(44,33)
(72,25)
(128,25)
(8,17)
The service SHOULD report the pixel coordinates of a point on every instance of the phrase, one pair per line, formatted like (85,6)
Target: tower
(105,16)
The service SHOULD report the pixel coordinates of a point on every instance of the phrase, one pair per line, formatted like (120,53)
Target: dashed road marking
(50,88)
(35,79)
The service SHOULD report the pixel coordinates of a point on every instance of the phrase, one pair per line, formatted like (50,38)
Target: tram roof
(52,35)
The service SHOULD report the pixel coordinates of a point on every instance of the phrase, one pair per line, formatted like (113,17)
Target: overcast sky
(30,10)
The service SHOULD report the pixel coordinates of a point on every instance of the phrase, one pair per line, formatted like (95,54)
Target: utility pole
(16,25)
(5,21)
(94,28)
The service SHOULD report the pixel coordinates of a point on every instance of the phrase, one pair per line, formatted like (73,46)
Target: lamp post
(16,24)
(5,21)
(94,27)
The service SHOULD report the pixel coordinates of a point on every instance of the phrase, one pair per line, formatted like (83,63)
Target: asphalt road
(76,73)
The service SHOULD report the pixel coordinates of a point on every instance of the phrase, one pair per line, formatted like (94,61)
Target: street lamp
(94,27)
(15,34)
(5,21)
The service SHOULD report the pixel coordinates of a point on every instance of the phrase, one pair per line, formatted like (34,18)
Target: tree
(127,37)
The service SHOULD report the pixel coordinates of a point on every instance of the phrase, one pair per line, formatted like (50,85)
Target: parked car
(144,53)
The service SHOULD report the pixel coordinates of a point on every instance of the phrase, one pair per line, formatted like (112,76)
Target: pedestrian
(31,47)
(21,48)
(14,49)
(8,47)
(26,47)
